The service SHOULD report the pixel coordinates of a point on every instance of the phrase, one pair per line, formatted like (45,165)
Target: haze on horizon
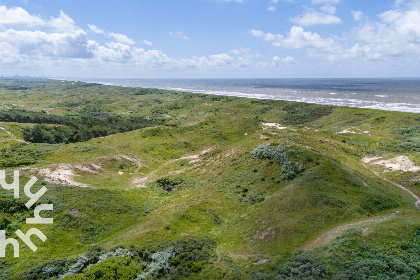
(210,38)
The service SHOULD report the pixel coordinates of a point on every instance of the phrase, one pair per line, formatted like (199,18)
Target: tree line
(70,129)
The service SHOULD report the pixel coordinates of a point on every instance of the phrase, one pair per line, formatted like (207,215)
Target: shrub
(81,263)
(263,151)
(410,136)
(113,268)
(259,275)
(378,266)
(301,113)
(169,185)
(21,154)
(46,270)
(160,264)
(302,267)
(289,170)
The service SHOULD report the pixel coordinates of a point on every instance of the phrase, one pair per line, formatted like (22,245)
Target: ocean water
(383,94)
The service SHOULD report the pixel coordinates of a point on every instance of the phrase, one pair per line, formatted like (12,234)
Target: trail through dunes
(335,232)
(14,136)
(141,182)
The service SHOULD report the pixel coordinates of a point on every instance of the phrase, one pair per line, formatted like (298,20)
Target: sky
(210,38)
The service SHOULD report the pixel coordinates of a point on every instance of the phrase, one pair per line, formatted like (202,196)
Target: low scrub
(289,170)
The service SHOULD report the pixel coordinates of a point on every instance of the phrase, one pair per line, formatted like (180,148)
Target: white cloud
(298,38)
(285,61)
(18,16)
(95,29)
(37,44)
(113,52)
(398,3)
(394,36)
(330,9)
(257,33)
(66,47)
(148,43)
(220,59)
(325,2)
(394,39)
(63,23)
(242,51)
(315,18)
(179,34)
(357,15)
(271,8)
(121,38)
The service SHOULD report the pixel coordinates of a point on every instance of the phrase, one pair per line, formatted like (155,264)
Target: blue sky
(210,38)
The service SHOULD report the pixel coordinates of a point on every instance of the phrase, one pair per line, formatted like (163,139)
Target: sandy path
(335,232)
(17,139)
(63,174)
(141,182)
(417,203)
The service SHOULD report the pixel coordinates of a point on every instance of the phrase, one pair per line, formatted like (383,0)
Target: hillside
(197,186)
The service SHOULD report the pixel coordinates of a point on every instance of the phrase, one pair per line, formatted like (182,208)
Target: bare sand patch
(139,182)
(177,171)
(63,174)
(196,156)
(260,136)
(394,164)
(273,125)
(354,130)
(131,158)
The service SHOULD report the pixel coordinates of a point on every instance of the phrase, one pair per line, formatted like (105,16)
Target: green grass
(226,195)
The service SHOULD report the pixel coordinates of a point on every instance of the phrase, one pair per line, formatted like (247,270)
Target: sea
(390,94)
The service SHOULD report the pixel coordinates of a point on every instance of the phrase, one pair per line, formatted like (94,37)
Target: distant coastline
(389,94)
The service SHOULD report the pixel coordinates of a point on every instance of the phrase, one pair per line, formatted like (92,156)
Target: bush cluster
(83,129)
(362,263)
(410,136)
(179,259)
(302,266)
(70,129)
(289,170)
(23,116)
(301,113)
(169,184)
(20,154)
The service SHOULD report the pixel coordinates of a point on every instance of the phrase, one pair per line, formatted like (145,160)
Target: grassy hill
(186,199)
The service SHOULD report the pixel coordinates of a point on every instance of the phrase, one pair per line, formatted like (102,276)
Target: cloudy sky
(210,38)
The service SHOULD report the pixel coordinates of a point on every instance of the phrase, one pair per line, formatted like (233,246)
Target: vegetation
(82,129)
(302,113)
(279,154)
(191,186)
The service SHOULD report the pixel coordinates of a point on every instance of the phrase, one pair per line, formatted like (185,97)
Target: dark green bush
(289,170)
(377,203)
(301,113)
(303,266)
(410,138)
(72,128)
(168,184)
(21,154)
